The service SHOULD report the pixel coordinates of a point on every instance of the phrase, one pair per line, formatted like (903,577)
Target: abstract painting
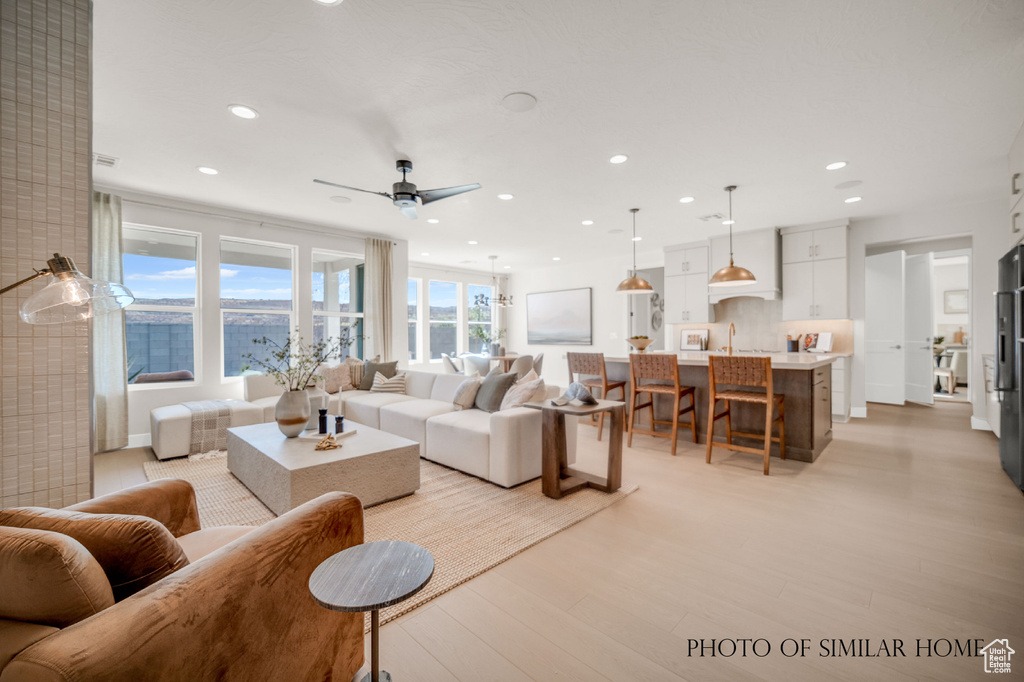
(559,318)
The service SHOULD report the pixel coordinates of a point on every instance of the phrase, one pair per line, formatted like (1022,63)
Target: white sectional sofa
(502,447)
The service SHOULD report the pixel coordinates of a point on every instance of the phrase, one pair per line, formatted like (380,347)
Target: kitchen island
(804,378)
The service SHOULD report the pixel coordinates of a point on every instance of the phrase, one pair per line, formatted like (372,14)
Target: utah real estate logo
(997,656)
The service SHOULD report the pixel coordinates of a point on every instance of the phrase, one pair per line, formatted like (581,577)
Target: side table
(558,478)
(369,577)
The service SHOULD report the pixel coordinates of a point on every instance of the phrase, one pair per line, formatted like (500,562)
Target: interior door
(919,323)
(884,328)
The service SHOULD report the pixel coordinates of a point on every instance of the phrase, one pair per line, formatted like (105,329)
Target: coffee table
(369,577)
(285,472)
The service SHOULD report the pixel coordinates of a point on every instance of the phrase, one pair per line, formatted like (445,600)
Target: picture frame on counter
(693,339)
(818,342)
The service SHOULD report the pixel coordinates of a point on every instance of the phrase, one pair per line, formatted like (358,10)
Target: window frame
(418,321)
(491,307)
(460,321)
(338,313)
(195,309)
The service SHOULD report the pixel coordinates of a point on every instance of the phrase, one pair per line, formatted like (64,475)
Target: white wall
(212,223)
(985,223)
(945,278)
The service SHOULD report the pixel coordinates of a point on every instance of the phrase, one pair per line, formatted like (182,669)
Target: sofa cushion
(492,390)
(16,636)
(523,392)
(255,386)
(465,395)
(134,551)
(395,384)
(202,542)
(49,578)
(364,408)
(445,386)
(420,384)
(461,440)
(370,369)
(336,377)
(409,419)
(268,405)
(355,366)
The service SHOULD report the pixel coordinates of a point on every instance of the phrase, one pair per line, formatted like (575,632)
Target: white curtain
(378,304)
(109,370)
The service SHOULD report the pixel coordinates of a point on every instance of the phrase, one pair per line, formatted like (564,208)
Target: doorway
(647,312)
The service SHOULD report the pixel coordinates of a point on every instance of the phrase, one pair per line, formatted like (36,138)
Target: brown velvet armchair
(240,612)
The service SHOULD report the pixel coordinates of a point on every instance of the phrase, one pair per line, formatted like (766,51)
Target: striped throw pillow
(382,384)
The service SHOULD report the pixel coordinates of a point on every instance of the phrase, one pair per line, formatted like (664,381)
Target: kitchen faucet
(732,330)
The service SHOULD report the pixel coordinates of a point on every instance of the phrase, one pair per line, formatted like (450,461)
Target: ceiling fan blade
(428,195)
(409,212)
(334,184)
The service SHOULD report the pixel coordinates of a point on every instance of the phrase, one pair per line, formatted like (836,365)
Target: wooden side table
(369,577)
(557,477)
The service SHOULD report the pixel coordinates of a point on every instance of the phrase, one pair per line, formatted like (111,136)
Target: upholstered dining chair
(589,369)
(481,364)
(727,377)
(538,363)
(644,370)
(522,365)
(451,365)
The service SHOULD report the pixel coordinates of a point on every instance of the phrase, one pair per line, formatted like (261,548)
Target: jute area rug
(469,525)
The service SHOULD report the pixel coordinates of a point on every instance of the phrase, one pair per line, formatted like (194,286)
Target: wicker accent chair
(744,372)
(659,367)
(590,370)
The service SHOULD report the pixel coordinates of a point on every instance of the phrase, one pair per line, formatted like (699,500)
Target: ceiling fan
(404,194)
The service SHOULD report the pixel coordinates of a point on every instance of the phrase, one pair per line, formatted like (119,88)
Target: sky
(152,277)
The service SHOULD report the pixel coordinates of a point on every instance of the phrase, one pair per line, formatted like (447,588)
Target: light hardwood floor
(906,527)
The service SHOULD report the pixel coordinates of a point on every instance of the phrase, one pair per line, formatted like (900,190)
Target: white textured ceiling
(922,98)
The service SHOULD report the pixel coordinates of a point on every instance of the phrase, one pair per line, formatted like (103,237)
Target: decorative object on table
(323,420)
(369,577)
(317,402)
(937,346)
(693,339)
(339,424)
(71,296)
(499,300)
(959,336)
(489,340)
(810,340)
(576,392)
(639,343)
(822,343)
(559,318)
(327,443)
(312,436)
(731,275)
(634,285)
(955,301)
(294,365)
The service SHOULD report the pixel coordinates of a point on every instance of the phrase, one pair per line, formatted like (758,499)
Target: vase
(640,344)
(292,412)
(495,349)
(317,402)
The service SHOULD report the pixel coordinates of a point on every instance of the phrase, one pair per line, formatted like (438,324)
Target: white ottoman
(170,426)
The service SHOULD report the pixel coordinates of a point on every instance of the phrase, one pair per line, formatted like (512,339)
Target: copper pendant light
(634,284)
(731,275)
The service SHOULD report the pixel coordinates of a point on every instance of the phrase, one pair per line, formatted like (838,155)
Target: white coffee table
(285,472)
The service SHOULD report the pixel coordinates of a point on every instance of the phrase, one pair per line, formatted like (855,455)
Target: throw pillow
(382,384)
(493,390)
(465,394)
(337,378)
(134,551)
(371,368)
(522,392)
(355,367)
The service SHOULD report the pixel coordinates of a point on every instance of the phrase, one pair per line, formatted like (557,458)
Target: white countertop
(779,360)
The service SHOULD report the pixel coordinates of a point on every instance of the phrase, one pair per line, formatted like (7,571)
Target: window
(160,269)
(444,318)
(338,300)
(255,298)
(480,320)
(413,304)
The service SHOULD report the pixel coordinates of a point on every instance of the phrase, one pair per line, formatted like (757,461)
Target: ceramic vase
(292,412)
(317,402)
(495,349)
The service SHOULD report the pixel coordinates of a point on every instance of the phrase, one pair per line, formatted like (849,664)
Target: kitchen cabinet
(757,251)
(686,260)
(686,299)
(817,244)
(815,290)
(841,381)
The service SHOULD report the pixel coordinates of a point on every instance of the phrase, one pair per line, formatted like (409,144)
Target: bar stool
(661,367)
(592,365)
(744,372)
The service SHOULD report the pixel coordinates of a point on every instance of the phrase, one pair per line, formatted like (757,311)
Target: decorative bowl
(640,344)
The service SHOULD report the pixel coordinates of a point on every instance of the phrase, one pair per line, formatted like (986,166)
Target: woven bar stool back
(590,370)
(644,371)
(728,376)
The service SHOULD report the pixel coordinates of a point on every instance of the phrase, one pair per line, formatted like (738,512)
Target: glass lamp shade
(731,276)
(634,285)
(72,296)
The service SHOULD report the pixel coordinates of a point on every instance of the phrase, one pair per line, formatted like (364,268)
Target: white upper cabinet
(686,299)
(686,260)
(757,251)
(815,272)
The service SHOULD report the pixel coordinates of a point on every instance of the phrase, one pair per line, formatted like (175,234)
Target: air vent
(103,160)
(711,216)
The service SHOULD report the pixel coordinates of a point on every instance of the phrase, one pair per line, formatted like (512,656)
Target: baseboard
(140,440)
(980,424)
(859,412)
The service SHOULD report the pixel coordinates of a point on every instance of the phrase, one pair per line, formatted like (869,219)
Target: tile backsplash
(759,326)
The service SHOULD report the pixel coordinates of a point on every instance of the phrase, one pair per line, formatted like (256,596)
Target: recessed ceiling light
(508,267)
(615,230)
(242,111)
(728,222)
(519,102)
(853,200)
(328,2)
(588,222)
(472,242)
(556,258)
(618,158)
(636,239)
(207,170)
(424,254)
(686,200)
(836,165)
(506,197)
(433,221)
(339,199)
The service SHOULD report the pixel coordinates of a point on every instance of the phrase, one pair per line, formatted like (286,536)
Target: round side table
(370,577)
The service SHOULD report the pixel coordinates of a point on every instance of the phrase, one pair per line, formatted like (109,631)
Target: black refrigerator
(1009,356)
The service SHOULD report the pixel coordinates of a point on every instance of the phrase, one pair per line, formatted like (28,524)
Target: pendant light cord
(634,243)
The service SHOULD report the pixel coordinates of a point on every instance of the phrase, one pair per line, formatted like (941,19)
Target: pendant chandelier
(634,284)
(500,300)
(731,275)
